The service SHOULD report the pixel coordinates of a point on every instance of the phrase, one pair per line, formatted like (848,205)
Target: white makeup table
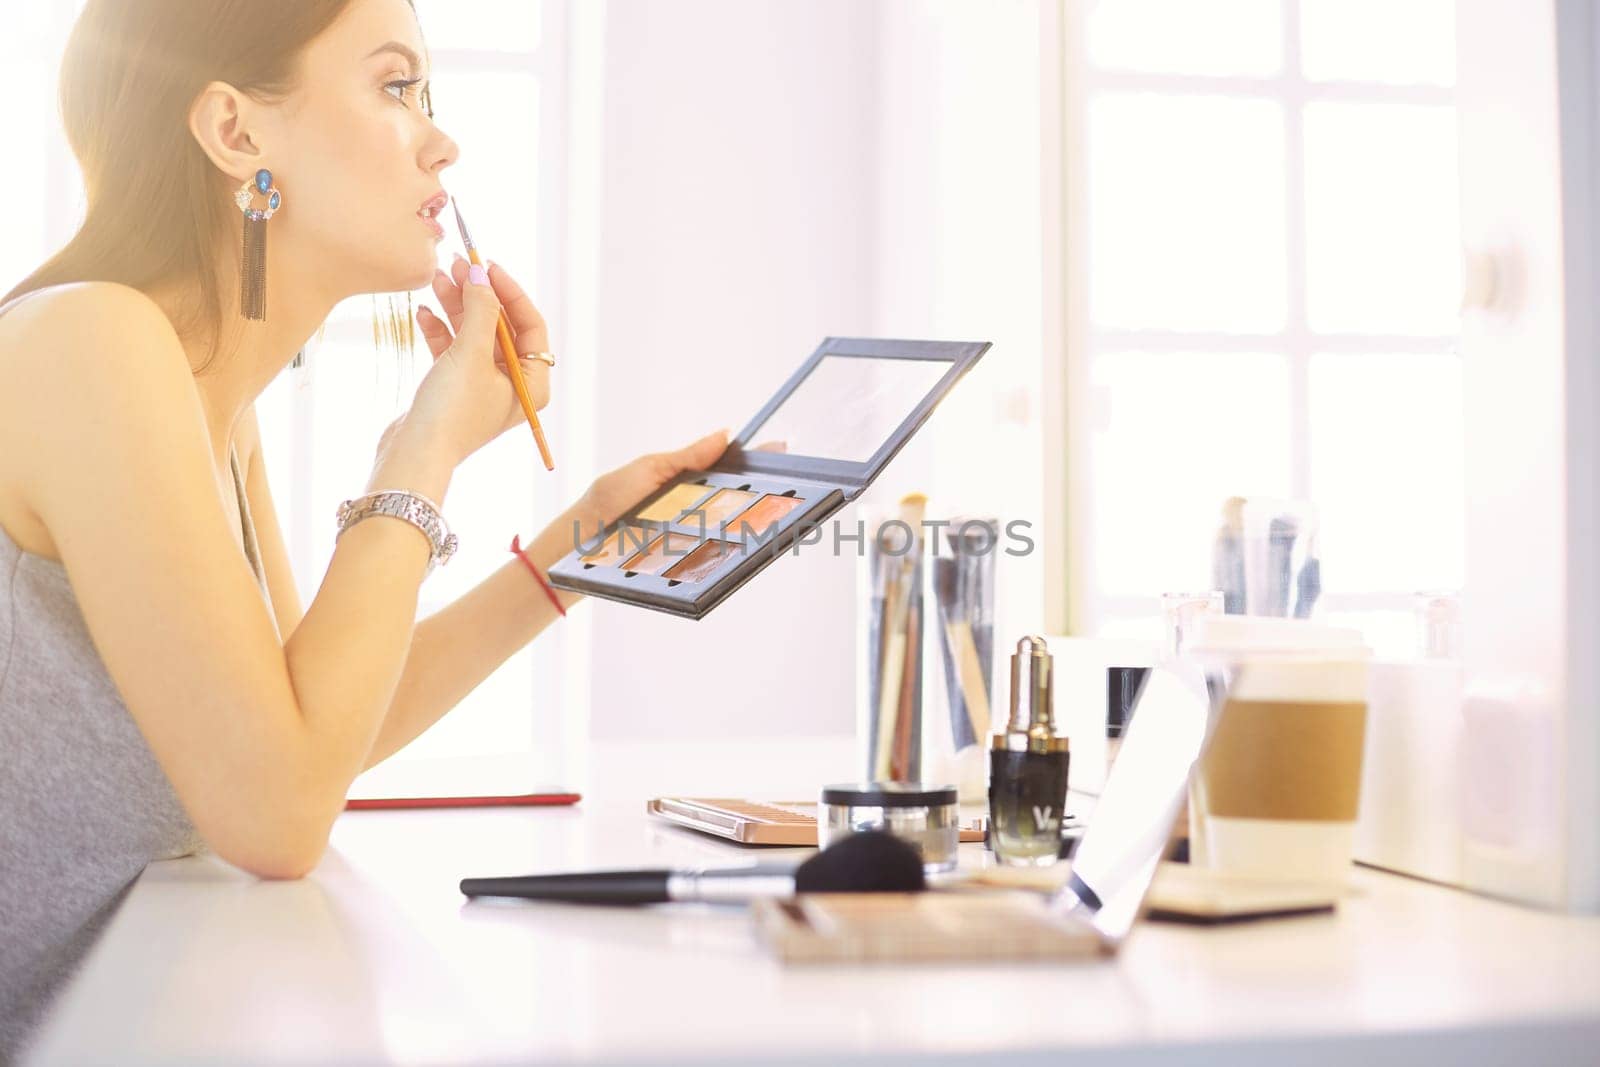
(376,958)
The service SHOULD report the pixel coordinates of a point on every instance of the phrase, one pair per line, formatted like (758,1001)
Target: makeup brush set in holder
(1264,558)
(932,595)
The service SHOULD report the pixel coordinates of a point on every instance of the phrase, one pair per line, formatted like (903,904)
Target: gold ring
(546,358)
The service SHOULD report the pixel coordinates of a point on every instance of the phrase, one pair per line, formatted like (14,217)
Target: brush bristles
(461,225)
(868,862)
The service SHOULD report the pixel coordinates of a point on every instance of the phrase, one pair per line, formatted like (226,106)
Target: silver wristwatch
(414,508)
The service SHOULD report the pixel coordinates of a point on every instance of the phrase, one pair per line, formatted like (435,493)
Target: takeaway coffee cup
(1277,792)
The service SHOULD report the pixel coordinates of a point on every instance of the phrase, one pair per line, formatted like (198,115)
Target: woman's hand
(467,396)
(611,495)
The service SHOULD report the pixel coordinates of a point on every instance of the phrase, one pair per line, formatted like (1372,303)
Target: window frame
(1069,83)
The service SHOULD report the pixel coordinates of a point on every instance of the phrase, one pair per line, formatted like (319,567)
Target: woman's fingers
(700,454)
(448,292)
(527,325)
(537,376)
(480,312)
(434,331)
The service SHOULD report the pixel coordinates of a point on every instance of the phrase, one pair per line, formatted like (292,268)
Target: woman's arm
(259,738)
(456,648)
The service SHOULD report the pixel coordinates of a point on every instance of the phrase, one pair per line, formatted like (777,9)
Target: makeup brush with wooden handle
(963,650)
(508,352)
(913,506)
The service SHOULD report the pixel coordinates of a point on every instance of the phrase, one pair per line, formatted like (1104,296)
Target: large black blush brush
(870,862)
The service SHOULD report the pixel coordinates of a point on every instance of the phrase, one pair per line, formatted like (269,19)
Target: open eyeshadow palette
(816,445)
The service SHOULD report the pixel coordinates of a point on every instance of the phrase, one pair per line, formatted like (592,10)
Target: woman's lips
(429,211)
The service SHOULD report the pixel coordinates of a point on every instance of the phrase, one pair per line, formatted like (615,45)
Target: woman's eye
(405,86)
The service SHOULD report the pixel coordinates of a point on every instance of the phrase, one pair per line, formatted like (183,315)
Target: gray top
(83,803)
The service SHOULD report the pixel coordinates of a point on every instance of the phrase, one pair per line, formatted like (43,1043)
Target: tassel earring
(253,257)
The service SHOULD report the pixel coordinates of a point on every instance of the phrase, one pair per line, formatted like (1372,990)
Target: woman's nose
(442,152)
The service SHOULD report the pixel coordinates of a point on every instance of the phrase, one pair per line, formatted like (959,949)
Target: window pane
(495,119)
(354,391)
(1387,471)
(1382,228)
(1177,434)
(1218,37)
(500,25)
(1186,213)
(1412,42)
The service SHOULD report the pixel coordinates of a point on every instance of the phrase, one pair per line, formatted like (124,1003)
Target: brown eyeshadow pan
(699,564)
(769,511)
(661,553)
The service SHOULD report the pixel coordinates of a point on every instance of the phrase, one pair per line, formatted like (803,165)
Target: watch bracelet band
(411,507)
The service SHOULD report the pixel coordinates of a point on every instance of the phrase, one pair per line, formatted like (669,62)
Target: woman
(161,688)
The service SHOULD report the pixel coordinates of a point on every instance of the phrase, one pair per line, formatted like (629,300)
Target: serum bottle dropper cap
(1032,726)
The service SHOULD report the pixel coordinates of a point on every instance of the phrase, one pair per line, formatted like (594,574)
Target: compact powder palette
(816,445)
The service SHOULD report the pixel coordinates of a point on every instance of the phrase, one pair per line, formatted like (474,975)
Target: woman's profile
(162,687)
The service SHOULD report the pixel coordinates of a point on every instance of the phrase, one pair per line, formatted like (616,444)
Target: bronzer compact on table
(822,439)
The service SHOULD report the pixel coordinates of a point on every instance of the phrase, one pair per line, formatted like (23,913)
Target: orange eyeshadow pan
(770,510)
(679,498)
(661,553)
(622,543)
(699,564)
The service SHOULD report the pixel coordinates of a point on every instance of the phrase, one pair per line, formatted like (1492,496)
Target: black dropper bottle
(1028,765)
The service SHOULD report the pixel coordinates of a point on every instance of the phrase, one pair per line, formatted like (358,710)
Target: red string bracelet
(516,547)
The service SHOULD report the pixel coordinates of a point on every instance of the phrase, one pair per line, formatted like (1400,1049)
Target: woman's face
(360,155)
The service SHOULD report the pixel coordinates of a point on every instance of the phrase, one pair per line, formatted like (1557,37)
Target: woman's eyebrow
(401,50)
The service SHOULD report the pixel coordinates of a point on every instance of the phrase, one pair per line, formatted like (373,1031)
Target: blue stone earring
(253,258)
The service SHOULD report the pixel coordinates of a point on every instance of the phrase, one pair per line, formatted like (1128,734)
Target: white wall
(736,216)
(774,172)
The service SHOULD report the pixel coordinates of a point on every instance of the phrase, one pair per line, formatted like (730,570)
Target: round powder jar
(923,816)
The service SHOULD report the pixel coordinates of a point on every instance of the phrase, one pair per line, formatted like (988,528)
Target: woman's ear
(222,121)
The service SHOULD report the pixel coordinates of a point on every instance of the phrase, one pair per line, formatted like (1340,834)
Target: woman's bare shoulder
(44,318)
(71,353)
(83,335)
